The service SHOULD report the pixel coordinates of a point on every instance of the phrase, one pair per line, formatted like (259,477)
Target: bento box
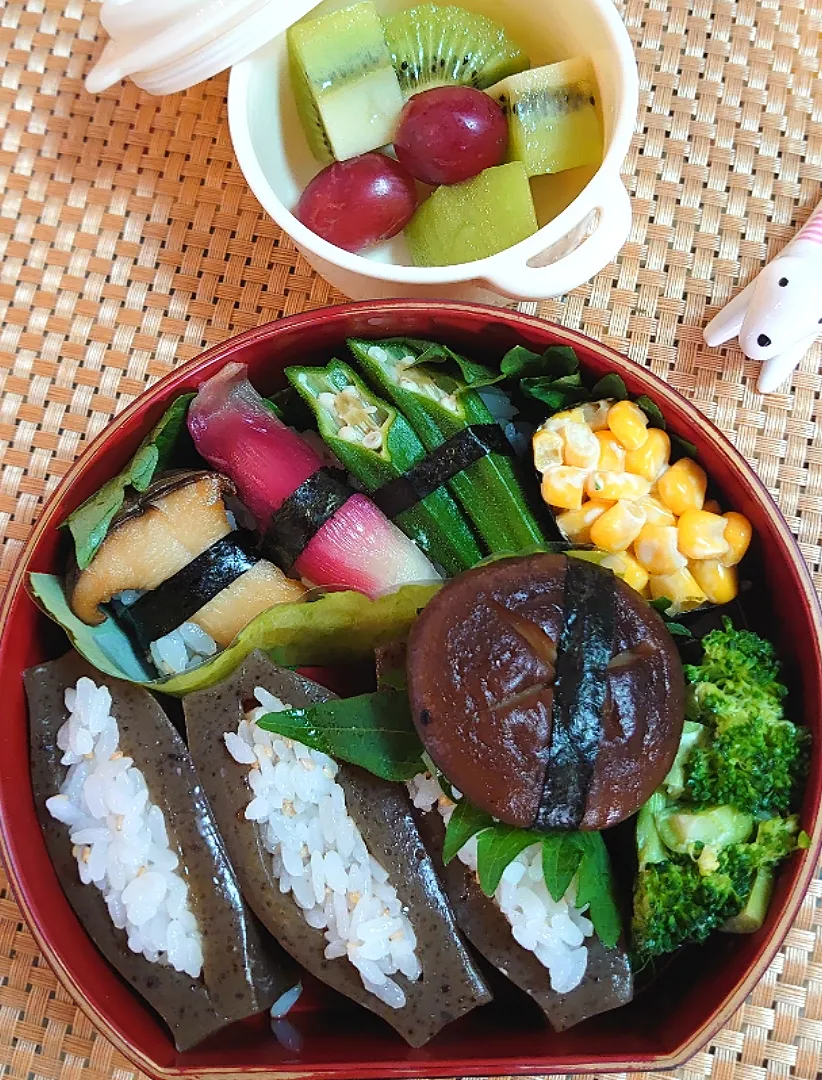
(660,1021)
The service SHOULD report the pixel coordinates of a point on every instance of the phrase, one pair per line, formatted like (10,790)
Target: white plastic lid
(168,45)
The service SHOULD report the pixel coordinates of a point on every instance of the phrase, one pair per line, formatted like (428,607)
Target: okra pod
(377,445)
(439,406)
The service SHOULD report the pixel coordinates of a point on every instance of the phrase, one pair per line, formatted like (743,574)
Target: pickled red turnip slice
(358,548)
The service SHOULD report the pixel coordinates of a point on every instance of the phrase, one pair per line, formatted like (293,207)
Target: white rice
(319,856)
(119,835)
(554,931)
(181,649)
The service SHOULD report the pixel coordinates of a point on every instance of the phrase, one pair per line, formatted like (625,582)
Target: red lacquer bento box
(661,1028)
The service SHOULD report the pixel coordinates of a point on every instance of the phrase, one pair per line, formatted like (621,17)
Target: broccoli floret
(754,759)
(685,897)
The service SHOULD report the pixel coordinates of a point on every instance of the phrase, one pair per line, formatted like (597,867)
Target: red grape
(359,202)
(451,133)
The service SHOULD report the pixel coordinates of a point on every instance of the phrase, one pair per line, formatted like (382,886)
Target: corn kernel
(656,512)
(626,567)
(629,423)
(581,447)
(611,452)
(576,524)
(656,549)
(718,582)
(596,413)
(702,535)
(682,487)
(680,587)
(712,506)
(612,486)
(618,527)
(738,534)
(547,447)
(651,459)
(562,486)
(558,421)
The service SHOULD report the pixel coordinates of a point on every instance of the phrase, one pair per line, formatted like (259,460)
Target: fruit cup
(584,217)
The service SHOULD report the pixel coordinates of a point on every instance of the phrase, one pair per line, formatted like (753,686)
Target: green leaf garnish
(474,375)
(465,822)
(561,856)
(374,731)
(338,628)
(676,629)
(651,410)
(496,848)
(610,386)
(556,362)
(89,523)
(686,448)
(595,888)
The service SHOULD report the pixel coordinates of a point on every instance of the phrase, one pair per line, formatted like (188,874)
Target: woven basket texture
(130,242)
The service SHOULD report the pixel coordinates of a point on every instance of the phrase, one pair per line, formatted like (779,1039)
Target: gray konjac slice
(382,814)
(243,971)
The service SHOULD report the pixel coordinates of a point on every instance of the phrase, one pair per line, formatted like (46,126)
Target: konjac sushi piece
(547,691)
(180,576)
(136,849)
(313,525)
(571,978)
(323,849)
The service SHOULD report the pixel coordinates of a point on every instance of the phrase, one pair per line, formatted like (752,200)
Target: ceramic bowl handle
(520,281)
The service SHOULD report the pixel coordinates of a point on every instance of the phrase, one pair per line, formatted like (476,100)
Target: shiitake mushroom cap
(481,667)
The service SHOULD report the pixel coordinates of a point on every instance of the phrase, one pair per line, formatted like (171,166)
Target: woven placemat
(130,242)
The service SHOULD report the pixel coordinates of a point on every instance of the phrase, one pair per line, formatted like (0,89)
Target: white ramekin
(568,250)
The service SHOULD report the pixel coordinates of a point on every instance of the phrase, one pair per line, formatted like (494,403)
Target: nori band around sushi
(580,687)
(298,520)
(439,466)
(162,610)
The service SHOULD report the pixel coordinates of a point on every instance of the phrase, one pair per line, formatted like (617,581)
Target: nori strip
(298,520)
(244,971)
(442,464)
(580,688)
(162,610)
(450,985)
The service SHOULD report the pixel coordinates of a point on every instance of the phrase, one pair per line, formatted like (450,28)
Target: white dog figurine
(778,316)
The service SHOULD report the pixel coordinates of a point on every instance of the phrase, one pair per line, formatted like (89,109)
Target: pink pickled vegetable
(357,548)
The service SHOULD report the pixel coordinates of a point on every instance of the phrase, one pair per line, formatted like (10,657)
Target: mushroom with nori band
(547,691)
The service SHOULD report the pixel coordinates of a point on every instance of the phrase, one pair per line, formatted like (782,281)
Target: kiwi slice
(458,223)
(347,93)
(440,46)
(553,123)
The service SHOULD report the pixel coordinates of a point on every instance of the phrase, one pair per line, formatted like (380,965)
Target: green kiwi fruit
(553,123)
(433,45)
(347,93)
(458,223)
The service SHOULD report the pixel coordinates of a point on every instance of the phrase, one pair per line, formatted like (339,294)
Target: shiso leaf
(561,856)
(337,628)
(595,888)
(496,848)
(374,731)
(89,523)
(107,647)
(465,822)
